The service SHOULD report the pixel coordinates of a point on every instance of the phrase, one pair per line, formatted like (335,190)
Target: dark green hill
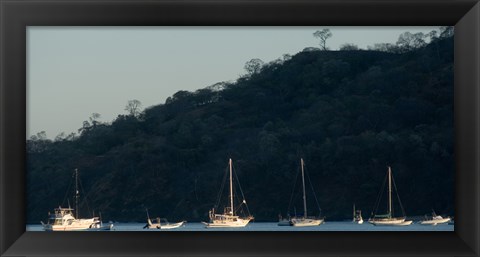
(349,114)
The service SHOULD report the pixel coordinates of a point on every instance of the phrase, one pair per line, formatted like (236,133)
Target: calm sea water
(272,226)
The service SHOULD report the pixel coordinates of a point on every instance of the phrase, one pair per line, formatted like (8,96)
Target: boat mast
(231,187)
(76,193)
(354,212)
(304,196)
(389,191)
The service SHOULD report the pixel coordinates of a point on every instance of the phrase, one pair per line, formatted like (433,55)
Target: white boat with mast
(357,216)
(229,217)
(63,219)
(305,220)
(388,219)
(162,223)
(435,220)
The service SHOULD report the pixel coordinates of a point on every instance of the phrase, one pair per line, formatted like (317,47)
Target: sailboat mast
(76,193)
(231,187)
(389,191)
(353,212)
(304,195)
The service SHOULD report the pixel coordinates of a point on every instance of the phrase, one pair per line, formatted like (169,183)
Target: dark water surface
(272,226)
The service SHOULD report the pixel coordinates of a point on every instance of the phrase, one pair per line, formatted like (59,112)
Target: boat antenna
(77,193)
(354,211)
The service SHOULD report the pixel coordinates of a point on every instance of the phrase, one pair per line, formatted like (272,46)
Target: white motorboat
(435,219)
(163,224)
(63,219)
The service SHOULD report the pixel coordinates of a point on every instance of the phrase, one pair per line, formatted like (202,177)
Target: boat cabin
(61,216)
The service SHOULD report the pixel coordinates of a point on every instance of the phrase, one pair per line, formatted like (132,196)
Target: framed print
(283,156)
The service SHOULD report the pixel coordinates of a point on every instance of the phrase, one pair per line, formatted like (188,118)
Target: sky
(73,72)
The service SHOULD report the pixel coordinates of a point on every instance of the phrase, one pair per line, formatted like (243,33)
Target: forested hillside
(349,114)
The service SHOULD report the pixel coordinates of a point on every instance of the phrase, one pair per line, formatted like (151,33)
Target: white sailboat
(357,216)
(228,219)
(63,219)
(435,219)
(305,220)
(388,219)
(162,223)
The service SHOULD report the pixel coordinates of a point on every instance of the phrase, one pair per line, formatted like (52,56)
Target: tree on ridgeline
(133,107)
(348,47)
(323,35)
(60,137)
(446,31)
(384,47)
(38,143)
(253,66)
(408,41)
(94,119)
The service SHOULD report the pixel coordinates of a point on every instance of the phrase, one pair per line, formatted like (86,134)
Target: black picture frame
(15,15)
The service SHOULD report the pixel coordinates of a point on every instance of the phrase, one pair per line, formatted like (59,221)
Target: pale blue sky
(73,72)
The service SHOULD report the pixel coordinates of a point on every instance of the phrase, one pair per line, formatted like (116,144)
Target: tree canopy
(348,114)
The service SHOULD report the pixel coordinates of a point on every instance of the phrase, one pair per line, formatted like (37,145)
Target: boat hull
(227,224)
(80,224)
(358,220)
(306,222)
(284,223)
(165,225)
(392,222)
(435,221)
(173,225)
(107,227)
(405,223)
